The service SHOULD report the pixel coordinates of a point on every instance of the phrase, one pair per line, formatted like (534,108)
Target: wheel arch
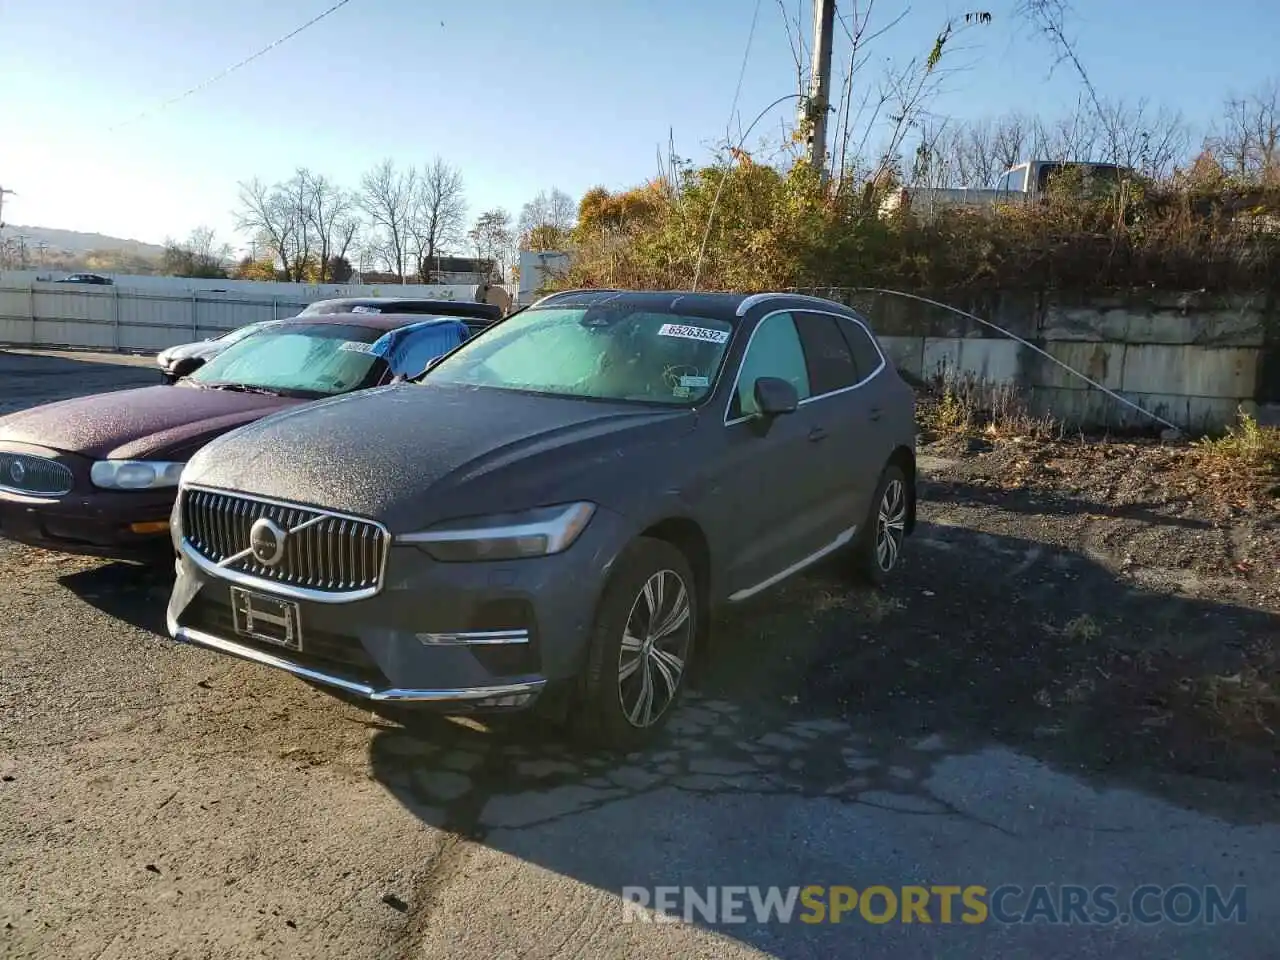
(904,458)
(688,536)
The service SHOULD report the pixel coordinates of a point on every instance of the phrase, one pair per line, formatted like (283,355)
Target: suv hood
(412,454)
(139,423)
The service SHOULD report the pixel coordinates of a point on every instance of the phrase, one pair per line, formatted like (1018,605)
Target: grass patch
(1245,443)
(966,407)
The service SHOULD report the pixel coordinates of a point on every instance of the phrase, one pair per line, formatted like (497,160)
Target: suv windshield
(600,353)
(303,360)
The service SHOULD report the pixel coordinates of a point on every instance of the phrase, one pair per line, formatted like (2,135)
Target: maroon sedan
(97,475)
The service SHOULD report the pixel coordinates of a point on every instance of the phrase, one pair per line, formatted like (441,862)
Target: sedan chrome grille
(321,552)
(23,473)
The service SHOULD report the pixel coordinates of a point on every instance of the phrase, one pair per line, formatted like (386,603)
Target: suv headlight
(135,474)
(508,536)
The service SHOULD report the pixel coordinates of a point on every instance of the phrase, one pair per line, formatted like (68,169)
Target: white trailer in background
(540,273)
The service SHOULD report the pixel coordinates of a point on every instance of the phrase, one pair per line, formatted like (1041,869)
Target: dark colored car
(177,362)
(97,475)
(482,313)
(552,511)
(87,278)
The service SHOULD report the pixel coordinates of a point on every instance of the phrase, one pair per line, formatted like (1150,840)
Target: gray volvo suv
(548,514)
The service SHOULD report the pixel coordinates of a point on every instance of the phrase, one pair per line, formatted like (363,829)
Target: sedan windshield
(303,360)
(596,352)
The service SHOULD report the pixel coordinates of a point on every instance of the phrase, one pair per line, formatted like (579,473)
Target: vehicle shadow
(845,699)
(1054,503)
(133,593)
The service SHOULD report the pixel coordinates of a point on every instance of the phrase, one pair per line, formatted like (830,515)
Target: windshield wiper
(244,388)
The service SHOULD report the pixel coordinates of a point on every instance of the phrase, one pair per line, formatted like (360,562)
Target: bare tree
(268,214)
(546,220)
(1148,141)
(492,239)
(387,196)
(1247,138)
(438,216)
(202,254)
(330,224)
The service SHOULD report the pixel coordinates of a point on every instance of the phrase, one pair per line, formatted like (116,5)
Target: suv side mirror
(775,396)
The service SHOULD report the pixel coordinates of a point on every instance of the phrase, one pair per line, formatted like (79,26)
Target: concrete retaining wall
(1192,360)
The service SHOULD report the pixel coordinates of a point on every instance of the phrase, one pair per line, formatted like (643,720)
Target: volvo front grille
(313,549)
(23,473)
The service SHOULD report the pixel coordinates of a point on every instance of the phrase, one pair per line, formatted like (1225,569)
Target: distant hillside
(75,242)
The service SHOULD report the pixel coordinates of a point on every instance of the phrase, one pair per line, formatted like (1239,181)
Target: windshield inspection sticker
(694,381)
(686,332)
(355,346)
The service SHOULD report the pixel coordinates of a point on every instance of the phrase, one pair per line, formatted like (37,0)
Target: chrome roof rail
(758,298)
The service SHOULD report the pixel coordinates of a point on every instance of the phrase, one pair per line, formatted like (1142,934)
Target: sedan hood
(409,455)
(145,422)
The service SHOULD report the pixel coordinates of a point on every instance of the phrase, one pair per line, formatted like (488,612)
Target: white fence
(147,314)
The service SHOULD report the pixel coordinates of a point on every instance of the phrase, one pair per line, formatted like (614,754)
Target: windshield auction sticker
(685,332)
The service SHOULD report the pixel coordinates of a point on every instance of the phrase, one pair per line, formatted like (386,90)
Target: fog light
(150,526)
(511,700)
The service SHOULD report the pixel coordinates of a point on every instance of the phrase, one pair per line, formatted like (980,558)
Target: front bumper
(99,524)
(469,636)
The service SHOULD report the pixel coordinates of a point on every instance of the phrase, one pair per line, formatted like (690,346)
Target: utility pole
(818,105)
(3,191)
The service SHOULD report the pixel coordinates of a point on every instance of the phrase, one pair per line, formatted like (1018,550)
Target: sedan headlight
(508,536)
(135,474)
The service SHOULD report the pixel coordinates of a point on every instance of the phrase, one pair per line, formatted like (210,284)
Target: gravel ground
(1025,705)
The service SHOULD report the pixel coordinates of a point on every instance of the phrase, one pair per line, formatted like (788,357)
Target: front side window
(303,360)
(775,351)
(601,352)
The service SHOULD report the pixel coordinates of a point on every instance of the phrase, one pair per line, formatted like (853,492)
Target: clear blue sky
(520,96)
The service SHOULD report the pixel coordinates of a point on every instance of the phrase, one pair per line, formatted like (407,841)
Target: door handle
(874,413)
(817,433)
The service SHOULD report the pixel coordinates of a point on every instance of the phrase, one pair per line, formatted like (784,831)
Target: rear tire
(878,549)
(640,648)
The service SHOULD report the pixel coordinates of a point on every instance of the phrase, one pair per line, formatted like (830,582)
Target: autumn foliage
(782,227)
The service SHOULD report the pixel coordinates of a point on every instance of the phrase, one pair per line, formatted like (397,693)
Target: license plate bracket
(270,619)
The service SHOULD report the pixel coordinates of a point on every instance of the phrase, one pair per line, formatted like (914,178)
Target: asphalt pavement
(162,801)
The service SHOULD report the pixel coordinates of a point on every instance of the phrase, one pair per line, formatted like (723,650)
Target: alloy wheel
(891,525)
(655,648)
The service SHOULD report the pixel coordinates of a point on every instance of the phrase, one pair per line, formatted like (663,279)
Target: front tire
(879,545)
(641,645)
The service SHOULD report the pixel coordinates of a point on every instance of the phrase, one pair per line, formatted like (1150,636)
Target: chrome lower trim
(844,538)
(273,586)
(531,685)
(463,638)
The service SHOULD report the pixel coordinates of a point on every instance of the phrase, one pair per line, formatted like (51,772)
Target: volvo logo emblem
(17,472)
(266,541)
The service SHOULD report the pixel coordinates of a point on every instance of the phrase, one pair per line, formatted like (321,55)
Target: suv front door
(770,474)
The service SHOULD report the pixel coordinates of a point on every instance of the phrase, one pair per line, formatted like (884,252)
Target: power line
(733,110)
(233,68)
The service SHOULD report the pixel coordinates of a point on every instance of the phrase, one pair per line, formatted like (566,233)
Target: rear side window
(866,354)
(826,352)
